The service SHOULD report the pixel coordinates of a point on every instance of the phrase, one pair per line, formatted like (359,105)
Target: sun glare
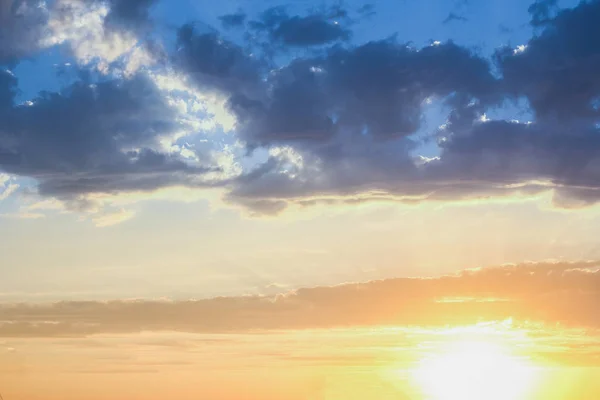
(475,370)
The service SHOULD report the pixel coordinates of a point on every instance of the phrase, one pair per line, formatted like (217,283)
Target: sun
(475,370)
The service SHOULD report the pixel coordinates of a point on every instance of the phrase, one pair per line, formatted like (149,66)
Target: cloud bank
(553,293)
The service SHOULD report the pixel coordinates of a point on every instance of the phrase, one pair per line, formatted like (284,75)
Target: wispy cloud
(8,186)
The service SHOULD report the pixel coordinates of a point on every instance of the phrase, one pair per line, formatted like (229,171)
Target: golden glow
(475,370)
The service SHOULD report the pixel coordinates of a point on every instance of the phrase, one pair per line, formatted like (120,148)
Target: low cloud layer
(553,293)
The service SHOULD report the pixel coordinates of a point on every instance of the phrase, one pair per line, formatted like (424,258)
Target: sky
(191,149)
(183,181)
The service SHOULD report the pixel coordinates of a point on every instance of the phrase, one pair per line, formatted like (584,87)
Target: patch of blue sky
(49,71)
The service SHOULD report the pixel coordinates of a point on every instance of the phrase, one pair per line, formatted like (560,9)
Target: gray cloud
(214,63)
(566,293)
(94,138)
(338,122)
(96,135)
(376,89)
(558,70)
(8,87)
(300,31)
(511,151)
(21,28)
(127,14)
(350,115)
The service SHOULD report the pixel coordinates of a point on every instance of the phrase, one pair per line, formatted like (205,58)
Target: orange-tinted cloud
(566,293)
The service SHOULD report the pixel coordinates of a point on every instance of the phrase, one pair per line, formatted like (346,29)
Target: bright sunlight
(475,370)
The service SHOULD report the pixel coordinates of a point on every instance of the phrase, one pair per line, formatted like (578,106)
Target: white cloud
(81,26)
(136,59)
(423,160)
(202,110)
(520,49)
(7,186)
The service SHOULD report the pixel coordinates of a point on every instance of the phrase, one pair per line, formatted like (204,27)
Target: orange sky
(352,341)
(340,364)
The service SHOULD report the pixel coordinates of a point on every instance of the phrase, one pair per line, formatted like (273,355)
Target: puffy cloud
(351,115)
(335,124)
(557,71)
(97,135)
(348,114)
(565,293)
(214,63)
(95,138)
(332,108)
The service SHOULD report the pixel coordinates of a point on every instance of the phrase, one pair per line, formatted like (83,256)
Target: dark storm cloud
(553,293)
(94,138)
(300,31)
